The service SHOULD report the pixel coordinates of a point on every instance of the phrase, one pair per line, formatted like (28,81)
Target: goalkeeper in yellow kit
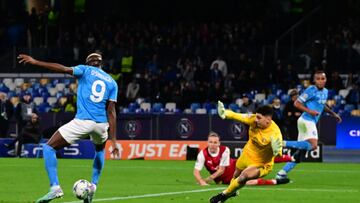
(257,159)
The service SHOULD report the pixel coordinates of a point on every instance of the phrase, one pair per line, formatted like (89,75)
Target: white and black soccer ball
(81,189)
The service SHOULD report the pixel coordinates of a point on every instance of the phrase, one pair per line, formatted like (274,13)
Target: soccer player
(217,161)
(257,159)
(312,102)
(97,95)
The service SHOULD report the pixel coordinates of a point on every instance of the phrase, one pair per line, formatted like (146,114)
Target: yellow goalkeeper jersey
(258,148)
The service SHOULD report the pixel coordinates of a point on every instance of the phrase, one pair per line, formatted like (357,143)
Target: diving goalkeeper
(257,159)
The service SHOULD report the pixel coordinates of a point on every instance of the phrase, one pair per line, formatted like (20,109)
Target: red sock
(283,158)
(261,181)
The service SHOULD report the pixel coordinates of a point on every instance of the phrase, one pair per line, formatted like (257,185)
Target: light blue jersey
(313,99)
(95,87)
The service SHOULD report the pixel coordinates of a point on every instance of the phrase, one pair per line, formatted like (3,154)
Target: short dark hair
(265,110)
(319,72)
(94,59)
(213,134)
(294,92)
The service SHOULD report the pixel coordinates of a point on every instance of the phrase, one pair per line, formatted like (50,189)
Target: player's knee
(243,178)
(313,146)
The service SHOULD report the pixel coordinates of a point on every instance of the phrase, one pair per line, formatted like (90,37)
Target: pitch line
(219,188)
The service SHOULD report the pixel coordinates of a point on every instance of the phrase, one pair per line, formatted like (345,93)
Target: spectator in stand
(6,112)
(248,105)
(221,66)
(291,115)
(277,116)
(132,90)
(336,83)
(30,134)
(216,75)
(70,104)
(24,111)
(354,96)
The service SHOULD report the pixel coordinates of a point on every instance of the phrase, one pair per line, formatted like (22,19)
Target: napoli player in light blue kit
(312,102)
(95,117)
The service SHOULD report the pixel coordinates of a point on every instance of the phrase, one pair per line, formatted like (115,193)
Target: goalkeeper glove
(276,146)
(221,110)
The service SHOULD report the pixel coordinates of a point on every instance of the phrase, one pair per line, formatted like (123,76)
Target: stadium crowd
(185,62)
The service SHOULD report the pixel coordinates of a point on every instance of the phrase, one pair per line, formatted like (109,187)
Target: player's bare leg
(56,142)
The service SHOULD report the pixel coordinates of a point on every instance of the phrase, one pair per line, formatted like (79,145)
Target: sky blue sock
(51,164)
(98,165)
(298,145)
(289,166)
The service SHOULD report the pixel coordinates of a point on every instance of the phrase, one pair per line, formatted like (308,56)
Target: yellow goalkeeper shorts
(243,162)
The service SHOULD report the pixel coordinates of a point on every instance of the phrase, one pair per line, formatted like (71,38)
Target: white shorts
(78,129)
(307,129)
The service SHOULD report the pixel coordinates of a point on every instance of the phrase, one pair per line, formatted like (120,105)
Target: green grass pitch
(25,180)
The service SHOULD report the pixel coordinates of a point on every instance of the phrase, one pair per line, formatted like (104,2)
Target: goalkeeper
(257,159)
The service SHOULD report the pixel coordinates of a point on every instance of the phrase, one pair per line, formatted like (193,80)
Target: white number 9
(97,96)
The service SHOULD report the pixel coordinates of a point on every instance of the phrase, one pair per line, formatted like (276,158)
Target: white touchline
(153,195)
(218,188)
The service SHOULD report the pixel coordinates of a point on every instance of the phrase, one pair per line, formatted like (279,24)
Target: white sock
(55,187)
(282,172)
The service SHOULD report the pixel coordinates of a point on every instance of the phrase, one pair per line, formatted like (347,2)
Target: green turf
(25,180)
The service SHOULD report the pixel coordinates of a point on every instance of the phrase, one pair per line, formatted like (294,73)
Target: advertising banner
(228,129)
(183,127)
(348,133)
(135,127)
(153,149)
(81,150)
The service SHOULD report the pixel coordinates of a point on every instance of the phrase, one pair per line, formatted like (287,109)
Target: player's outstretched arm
(26,59)
(111,112)
(228,114)
(328,110)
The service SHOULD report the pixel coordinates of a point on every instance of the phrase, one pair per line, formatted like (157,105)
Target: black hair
(319,72)
(265,110)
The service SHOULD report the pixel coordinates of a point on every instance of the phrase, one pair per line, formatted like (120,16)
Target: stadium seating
(201,111)
(259,97)
(47,92)
(170,107)
(208,106)
(194,106)
(51,100)
(234,107)
(38,100)
(344,92)
(158,108)
(146,107)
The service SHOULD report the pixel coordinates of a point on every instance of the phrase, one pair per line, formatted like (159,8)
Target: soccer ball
(81,189)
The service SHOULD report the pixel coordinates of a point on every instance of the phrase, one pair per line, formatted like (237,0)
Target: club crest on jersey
(305,96)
